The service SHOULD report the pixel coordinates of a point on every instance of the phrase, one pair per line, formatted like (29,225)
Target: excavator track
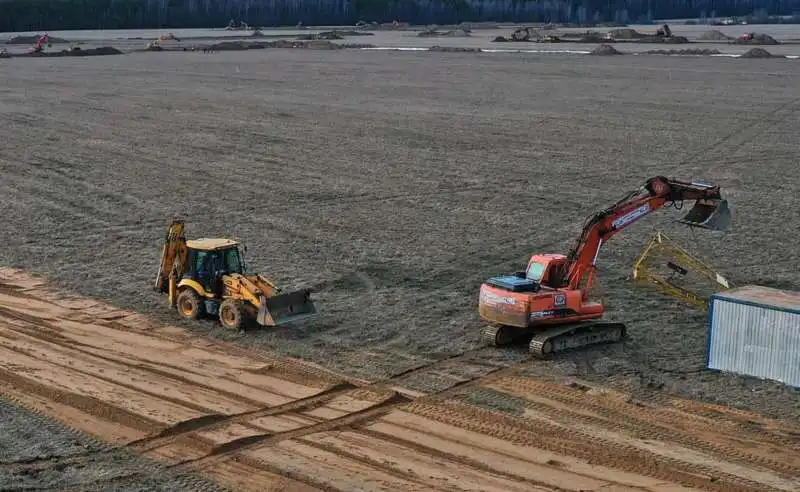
(497,335)
(573,337)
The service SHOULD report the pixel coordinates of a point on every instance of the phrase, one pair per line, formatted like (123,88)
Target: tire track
(223,451)
(409,476)
(215,421)
(572,442)
(187,431)
(462,460)
(87,404)
(626,417)
(295,371)
(202,453)
(212,422)
(226,450)
(89,352)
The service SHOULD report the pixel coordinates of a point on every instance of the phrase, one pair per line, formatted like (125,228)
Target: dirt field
(394,183)
(258,423)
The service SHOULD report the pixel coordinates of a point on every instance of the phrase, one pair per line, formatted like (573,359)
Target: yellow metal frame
(643,274)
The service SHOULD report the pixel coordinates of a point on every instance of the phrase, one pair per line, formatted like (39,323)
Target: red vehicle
(550,299)
(39,46)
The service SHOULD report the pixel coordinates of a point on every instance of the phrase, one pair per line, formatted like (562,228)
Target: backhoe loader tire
(190,306)
(231,315)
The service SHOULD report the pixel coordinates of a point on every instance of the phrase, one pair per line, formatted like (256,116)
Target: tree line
(40,15)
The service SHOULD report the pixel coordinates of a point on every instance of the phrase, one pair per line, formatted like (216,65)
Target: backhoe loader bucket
(709,214)
(285,308)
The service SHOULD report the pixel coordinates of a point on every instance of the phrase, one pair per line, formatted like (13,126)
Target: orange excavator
(549,301)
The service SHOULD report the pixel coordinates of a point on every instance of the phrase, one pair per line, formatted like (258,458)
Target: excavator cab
(711,214)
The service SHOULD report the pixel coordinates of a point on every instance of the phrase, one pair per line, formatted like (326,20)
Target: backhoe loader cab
(207,260)
(208,277)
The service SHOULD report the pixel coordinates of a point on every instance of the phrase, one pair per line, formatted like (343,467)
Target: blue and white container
(755,331)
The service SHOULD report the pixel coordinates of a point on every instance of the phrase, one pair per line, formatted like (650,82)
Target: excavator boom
(710,212)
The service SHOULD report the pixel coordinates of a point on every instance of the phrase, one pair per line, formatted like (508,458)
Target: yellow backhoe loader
(207,277)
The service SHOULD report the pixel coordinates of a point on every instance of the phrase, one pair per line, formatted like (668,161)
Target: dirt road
(254,422)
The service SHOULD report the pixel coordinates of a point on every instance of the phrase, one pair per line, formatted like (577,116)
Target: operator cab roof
(210,244)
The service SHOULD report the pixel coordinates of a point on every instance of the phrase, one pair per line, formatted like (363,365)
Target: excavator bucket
(712,214)
(285,308)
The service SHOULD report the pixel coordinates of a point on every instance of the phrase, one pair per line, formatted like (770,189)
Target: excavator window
(536,271)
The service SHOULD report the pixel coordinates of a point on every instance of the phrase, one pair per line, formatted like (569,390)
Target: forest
(37,15)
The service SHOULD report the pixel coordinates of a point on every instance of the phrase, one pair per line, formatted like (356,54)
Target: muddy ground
(394,183)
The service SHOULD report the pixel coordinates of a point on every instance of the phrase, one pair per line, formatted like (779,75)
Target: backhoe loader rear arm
(173,261)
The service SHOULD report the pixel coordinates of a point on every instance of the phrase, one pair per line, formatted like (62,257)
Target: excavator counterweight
(549,301)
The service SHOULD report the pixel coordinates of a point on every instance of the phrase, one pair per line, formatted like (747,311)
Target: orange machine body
(527,299)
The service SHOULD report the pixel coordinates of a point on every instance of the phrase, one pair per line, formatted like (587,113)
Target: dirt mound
(328,35)
(688,51)
(759,53)
(314,45)
(664,40)
(714,35)
(321,45)
(33,40)
(235,46)
(281,43)
(626,33)
(605,49)
(757,38)
(356,46)
(521,35)
(582,34)
(594,38)
(453,49)
(433,33)
(101,51)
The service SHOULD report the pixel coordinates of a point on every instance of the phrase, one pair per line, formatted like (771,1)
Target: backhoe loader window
(232,263)
(200,261)
(535,272)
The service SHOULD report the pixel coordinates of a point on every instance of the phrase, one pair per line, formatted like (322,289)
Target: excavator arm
(173,261)
(709,212)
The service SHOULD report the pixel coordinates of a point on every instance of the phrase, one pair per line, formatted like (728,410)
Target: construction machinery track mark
(575,443)
(345,421)
(616,414)
(209,422)
(222,451)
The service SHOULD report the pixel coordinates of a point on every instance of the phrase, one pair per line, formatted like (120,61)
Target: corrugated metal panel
(754,340)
